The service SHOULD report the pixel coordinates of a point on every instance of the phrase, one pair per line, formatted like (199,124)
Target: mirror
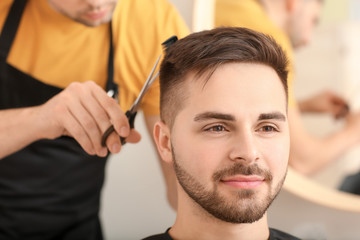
(334,55)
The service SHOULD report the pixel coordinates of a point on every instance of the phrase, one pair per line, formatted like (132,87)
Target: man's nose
(244,147)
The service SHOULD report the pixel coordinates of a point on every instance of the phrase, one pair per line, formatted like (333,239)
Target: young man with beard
(224,128)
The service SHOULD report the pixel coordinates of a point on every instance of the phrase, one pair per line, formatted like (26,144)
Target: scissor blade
(145,88)
(137,102)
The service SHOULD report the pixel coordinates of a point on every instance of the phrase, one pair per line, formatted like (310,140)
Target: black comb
(169,42)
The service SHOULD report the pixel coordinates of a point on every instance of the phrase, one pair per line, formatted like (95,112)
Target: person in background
(59,59)
(224,129)
(291,23)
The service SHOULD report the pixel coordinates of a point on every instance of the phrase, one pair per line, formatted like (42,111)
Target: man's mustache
(242,169)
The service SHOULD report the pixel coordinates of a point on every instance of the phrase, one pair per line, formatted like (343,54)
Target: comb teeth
(169,42)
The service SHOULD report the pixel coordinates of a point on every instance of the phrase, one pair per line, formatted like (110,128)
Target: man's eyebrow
(213,115)
(272,115)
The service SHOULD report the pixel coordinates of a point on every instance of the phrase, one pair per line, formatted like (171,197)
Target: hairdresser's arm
(167,170)
(309,153)
(325,102)
(82,111)
(18,128)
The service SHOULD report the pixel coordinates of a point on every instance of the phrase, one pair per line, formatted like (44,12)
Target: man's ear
(162,138)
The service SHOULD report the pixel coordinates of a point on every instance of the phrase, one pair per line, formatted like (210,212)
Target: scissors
(131,113)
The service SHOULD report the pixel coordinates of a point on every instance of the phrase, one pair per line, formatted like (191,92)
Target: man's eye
(217,128)
(268,128)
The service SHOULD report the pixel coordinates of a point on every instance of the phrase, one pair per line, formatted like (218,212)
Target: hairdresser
(59,63)
(291,23)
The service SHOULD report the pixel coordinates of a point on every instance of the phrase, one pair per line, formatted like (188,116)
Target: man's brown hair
(203,52)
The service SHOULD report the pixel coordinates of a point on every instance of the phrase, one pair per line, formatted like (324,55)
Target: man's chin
(90,23)
(93,23)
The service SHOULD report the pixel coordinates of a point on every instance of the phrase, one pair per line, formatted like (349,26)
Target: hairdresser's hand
(84,111)
(325,102)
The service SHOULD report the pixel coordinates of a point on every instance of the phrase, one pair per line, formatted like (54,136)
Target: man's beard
(244,206)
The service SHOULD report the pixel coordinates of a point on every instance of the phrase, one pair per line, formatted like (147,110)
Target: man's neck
(192,220)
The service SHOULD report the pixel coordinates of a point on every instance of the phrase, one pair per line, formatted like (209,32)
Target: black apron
(50,189)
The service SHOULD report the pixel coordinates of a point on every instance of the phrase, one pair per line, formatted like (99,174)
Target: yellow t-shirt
(57,50)
(250,14)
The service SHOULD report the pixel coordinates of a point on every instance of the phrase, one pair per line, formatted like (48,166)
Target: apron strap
(10,26)
(111,86)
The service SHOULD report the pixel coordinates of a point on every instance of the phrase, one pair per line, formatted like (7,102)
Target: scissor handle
(106,135)
(131,117)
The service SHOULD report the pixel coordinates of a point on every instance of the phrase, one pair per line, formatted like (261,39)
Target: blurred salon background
(332,61)
(134,201)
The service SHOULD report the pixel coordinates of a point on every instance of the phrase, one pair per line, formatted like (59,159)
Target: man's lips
(243,181)
(96,14)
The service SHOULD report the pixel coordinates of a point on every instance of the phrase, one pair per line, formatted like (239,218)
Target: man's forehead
(227,91)
(242,71)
